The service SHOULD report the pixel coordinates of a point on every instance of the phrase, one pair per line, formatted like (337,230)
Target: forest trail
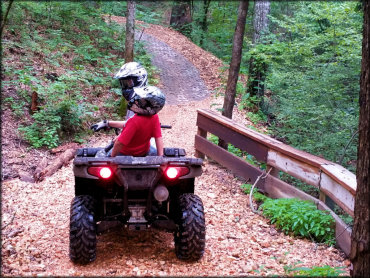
(180,80)
(35,217)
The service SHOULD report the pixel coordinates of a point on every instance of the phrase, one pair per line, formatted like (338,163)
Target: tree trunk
(181,17)
(257,69)
(130,31)
(204,22)
(5,17)
(360,247)
(236,56)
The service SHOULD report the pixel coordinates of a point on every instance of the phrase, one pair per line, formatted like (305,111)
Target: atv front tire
(82,232)
(190,237)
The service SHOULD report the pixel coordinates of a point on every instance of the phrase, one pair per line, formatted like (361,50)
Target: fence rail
(334,182)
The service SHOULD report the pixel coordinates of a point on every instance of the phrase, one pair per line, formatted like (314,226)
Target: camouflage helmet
(131,75)
(148,100)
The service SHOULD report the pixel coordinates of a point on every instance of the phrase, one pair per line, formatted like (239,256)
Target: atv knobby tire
(191,233)
(82,232)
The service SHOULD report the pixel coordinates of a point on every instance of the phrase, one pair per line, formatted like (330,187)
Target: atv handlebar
(166,126)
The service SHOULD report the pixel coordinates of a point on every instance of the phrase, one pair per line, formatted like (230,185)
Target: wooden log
(64,147)
(42,165)
(56,164)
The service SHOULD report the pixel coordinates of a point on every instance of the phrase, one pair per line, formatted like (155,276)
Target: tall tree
(236,56)
(360,247)
(204,23)
(258,68)
(130,31)
(181,16)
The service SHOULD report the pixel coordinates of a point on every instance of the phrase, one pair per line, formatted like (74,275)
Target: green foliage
(147,11)
(311,56)
(316,271)
(71,41)
(301,218)
(44,131)
(314,51)
(16,106)
(216,40)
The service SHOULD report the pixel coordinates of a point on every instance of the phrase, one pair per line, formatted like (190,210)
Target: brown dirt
(35,217)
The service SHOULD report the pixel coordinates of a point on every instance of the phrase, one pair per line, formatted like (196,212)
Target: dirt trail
(180,80)
(35,217)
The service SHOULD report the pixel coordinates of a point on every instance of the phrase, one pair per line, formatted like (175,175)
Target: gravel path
(35,217)
(180,80)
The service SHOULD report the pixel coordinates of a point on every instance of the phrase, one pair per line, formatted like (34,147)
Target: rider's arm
(116,148)
(116,124)
(159,145)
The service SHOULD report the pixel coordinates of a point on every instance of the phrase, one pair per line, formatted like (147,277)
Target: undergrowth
(316,271)
(296,217)
(67,54)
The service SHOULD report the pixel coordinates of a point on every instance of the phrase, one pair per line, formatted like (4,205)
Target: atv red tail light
(176,172)
(101,172)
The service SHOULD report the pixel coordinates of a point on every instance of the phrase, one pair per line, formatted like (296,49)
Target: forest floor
(35,216)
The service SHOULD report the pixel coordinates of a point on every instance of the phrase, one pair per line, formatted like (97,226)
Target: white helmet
(131,75)
(148,100)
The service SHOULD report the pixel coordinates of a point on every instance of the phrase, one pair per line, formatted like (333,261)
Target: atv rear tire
(82,232)
(190,236)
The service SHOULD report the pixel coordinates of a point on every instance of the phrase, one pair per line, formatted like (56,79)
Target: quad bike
(138,193)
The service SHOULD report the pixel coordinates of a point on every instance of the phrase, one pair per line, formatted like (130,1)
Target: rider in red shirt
(144,102)
(135,137)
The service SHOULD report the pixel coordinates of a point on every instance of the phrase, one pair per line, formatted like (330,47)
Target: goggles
(126,83)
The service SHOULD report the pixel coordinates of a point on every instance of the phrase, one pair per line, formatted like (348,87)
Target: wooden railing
(333,181)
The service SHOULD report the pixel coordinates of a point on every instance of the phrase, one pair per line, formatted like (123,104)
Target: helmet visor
(126,83)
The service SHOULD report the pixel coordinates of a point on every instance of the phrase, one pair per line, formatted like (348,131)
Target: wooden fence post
(202,133)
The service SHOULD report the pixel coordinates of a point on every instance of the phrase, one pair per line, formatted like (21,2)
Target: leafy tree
(314,56)
(181,16)
(204,22)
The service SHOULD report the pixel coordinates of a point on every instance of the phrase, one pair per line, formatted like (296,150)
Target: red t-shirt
(137,132)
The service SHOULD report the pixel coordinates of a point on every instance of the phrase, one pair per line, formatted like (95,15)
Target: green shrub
(44,130)
(301,218)
(316,271)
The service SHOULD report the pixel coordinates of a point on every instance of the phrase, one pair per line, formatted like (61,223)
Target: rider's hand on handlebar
(100,125)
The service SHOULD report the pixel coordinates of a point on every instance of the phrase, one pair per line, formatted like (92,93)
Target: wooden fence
(333,181)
